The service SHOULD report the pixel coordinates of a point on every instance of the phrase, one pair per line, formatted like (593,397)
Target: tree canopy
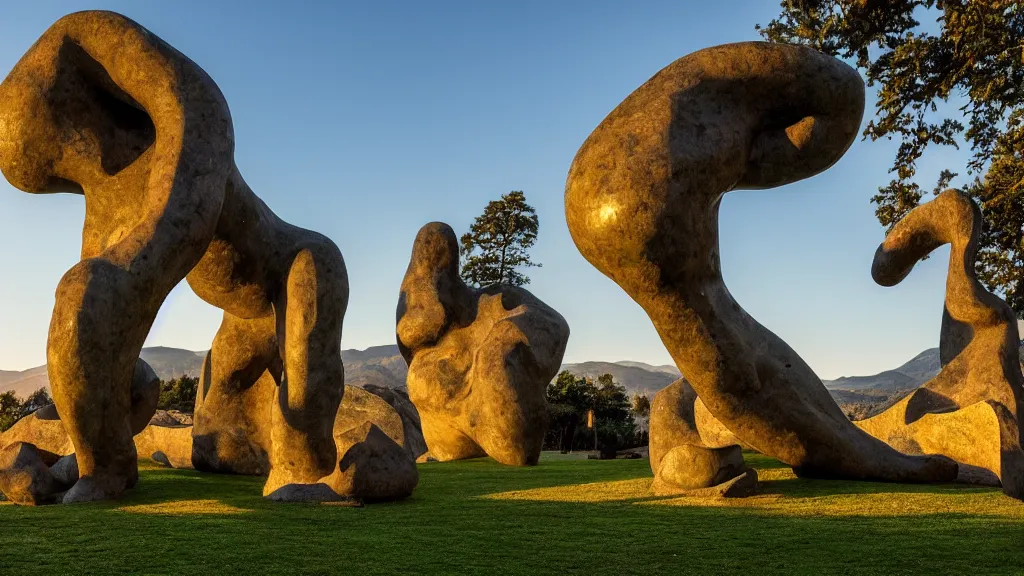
(178,393)
(13,408)
(570,397)
(971,59)
(498,242)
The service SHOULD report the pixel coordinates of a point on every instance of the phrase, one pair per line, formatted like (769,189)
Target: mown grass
(566,516)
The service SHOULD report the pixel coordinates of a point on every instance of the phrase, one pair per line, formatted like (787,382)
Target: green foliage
(35,401)
(13,408)
(10,409)
(570,397)
(498,242)
(178,394)
(641,405)
(976,57)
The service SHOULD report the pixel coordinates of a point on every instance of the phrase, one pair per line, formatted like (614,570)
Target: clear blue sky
(366,120)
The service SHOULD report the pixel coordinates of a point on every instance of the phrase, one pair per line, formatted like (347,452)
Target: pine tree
(498,242)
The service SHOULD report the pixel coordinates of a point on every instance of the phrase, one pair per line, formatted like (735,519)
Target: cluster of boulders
(377,434)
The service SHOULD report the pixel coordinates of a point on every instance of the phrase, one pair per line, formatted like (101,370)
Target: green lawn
(565,516)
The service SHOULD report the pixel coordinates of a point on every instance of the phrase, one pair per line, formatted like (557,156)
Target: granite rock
(479,360)
(101,106)
(642,199)
(969,411)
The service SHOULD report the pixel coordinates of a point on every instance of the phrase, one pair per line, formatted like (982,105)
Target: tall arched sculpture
(970,411)
(102,107)
(479,360)
(642,199)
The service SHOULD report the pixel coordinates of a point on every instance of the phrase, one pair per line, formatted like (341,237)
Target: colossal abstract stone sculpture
(102,107)
(970,410)
(642,200)
(479,360)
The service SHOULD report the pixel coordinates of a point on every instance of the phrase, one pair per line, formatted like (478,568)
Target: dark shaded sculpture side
(479,360)
(642,199)
(970,411)
(100,106)
(376,456)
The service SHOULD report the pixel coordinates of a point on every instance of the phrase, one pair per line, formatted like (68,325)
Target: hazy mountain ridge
(911,374)
(637,377)
(384,366)
(378,365)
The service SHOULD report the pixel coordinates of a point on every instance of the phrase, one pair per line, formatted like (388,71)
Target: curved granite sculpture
(102,107)
(970,410)
(642,200)
(479,360)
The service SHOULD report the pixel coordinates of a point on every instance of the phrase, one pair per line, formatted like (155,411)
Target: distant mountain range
(379,365)
(916,371)
(384,366)
(166,362)
(637,377)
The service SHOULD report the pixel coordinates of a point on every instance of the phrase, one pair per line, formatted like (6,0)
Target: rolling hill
(637,377)
(379,365)
(913,373)
(384,366)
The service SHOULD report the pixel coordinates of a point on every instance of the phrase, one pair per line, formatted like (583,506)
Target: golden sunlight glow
(774,499)
(582,493)
(607,213)
(184,508)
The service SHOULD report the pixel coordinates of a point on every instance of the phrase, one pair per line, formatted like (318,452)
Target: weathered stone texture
(479,360)
(642,199)
(25,476)
(100,106)
(373,466)
(970,411)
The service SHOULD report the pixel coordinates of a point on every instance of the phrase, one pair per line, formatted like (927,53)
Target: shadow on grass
(454,524)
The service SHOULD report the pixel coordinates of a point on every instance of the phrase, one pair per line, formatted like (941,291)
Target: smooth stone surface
(146,135)
(479,360)
(65,471)
(167,445)
(741,486)
(359,407)
(970,410)
(642,199)
(45,433)
(373,467)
